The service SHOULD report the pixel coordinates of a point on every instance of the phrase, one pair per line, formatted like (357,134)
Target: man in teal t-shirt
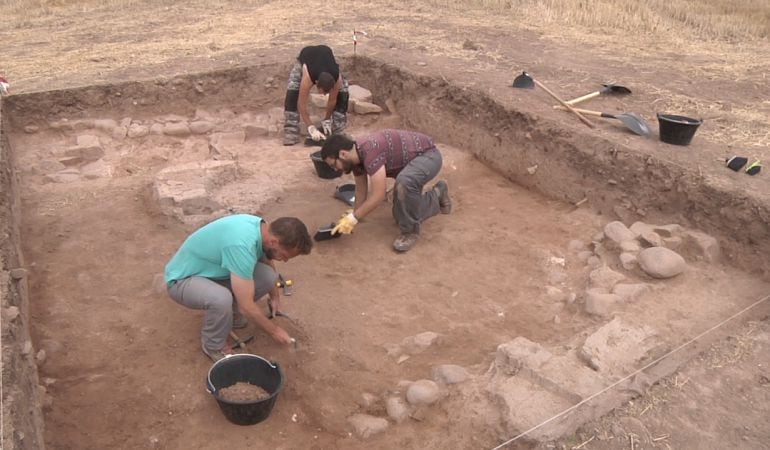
(226,266)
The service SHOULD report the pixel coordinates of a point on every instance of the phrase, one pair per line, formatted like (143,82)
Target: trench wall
(614,179)
(21,400)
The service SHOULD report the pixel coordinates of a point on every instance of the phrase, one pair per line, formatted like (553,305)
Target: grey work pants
(217,299)
(411,206)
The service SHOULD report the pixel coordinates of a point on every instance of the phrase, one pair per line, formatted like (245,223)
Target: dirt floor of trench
(124,366)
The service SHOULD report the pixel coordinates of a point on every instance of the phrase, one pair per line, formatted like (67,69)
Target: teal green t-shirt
(230,244)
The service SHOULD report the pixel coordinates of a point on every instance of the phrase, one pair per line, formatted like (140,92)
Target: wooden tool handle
(581,111)
(580,116)
(583,98)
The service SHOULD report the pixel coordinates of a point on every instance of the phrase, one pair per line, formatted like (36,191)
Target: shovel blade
(634,123)
(524,81)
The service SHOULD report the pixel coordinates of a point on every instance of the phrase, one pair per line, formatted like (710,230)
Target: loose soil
(116,346)
(243,392)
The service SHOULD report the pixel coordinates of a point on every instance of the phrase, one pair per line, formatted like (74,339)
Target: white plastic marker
(356,33)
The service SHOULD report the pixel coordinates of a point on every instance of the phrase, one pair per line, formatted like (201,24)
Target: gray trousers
(291,125)
(217,299)
(411,206)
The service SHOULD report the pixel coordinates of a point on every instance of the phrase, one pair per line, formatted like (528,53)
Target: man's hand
(280,336)
(314,133)
(327,127)
(346,224)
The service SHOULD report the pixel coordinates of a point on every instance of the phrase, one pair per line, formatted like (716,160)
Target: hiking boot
(290,139)
(240,321)
(444,201)
(215,355)
(405,241)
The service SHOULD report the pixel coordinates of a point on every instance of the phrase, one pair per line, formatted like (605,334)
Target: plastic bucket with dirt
(677,130)
(322,169)
(245,368)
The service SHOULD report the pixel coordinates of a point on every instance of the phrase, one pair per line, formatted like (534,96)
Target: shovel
(525,81)
(608,89)
(632,121)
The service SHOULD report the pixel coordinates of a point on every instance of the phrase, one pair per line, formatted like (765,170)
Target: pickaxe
(238,342)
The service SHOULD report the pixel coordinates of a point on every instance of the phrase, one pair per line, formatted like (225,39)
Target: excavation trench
(90,218)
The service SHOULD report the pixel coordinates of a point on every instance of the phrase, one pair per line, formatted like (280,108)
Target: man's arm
(304,95)
(377,195)
(331,103)
(244,294)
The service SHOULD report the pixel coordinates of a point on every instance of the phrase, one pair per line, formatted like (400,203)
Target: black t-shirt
(318,59)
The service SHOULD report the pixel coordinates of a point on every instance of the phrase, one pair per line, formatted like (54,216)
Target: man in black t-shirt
(315,66)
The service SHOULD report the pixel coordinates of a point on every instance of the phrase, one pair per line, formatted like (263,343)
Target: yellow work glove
(346,224)
(314,133)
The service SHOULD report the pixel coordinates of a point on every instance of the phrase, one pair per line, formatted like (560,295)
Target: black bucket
(322,169)
(248,369)
(677,130)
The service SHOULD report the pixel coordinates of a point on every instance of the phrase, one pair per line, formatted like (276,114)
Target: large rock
(617,348)
(605,278)
(600,303)
(660,262)
(449,374)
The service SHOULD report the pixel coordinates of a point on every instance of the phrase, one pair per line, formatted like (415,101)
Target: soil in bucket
(243,392)
(249,370)
(677,130)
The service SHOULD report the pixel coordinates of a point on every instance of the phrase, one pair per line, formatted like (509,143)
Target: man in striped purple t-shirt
(411,158)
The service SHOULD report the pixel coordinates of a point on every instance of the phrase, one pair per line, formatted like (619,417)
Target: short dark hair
(334,144)
(325,81)
(292,234)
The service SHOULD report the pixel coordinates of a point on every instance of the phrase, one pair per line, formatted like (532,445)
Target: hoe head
(524,81)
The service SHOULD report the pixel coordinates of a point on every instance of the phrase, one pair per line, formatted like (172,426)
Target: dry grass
(712,19)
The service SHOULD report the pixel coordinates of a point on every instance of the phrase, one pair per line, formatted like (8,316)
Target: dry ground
(118,358)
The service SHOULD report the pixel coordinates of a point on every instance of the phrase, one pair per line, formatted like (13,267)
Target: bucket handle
(210,386)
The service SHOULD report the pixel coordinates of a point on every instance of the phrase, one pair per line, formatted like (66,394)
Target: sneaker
(240,321)
(215,355)
(405,241)
(444,201)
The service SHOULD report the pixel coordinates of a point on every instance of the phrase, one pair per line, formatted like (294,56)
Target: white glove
(327,126)
(314,133)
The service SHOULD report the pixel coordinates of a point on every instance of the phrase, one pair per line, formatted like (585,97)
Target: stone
(649,238)
(357,93)
(617,348)
(253,131)
(605,278)
(628,260)
(419,343)
(319,100)
(18,273)
(600,303)
(630,292)
(366,425)
(555,294)
(576,245)
(201,126)
(449,374)
(137,131)
(660,262)
(631,245)
(617,232)
(396,409)
(422,392)
(366,108)
(702,245)
(178,129)
(512,356)
(11,313)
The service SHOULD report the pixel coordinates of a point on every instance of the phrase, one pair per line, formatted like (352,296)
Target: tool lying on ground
(285,285)
(525,81)
(608,89)
(632,121)
(238,342)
